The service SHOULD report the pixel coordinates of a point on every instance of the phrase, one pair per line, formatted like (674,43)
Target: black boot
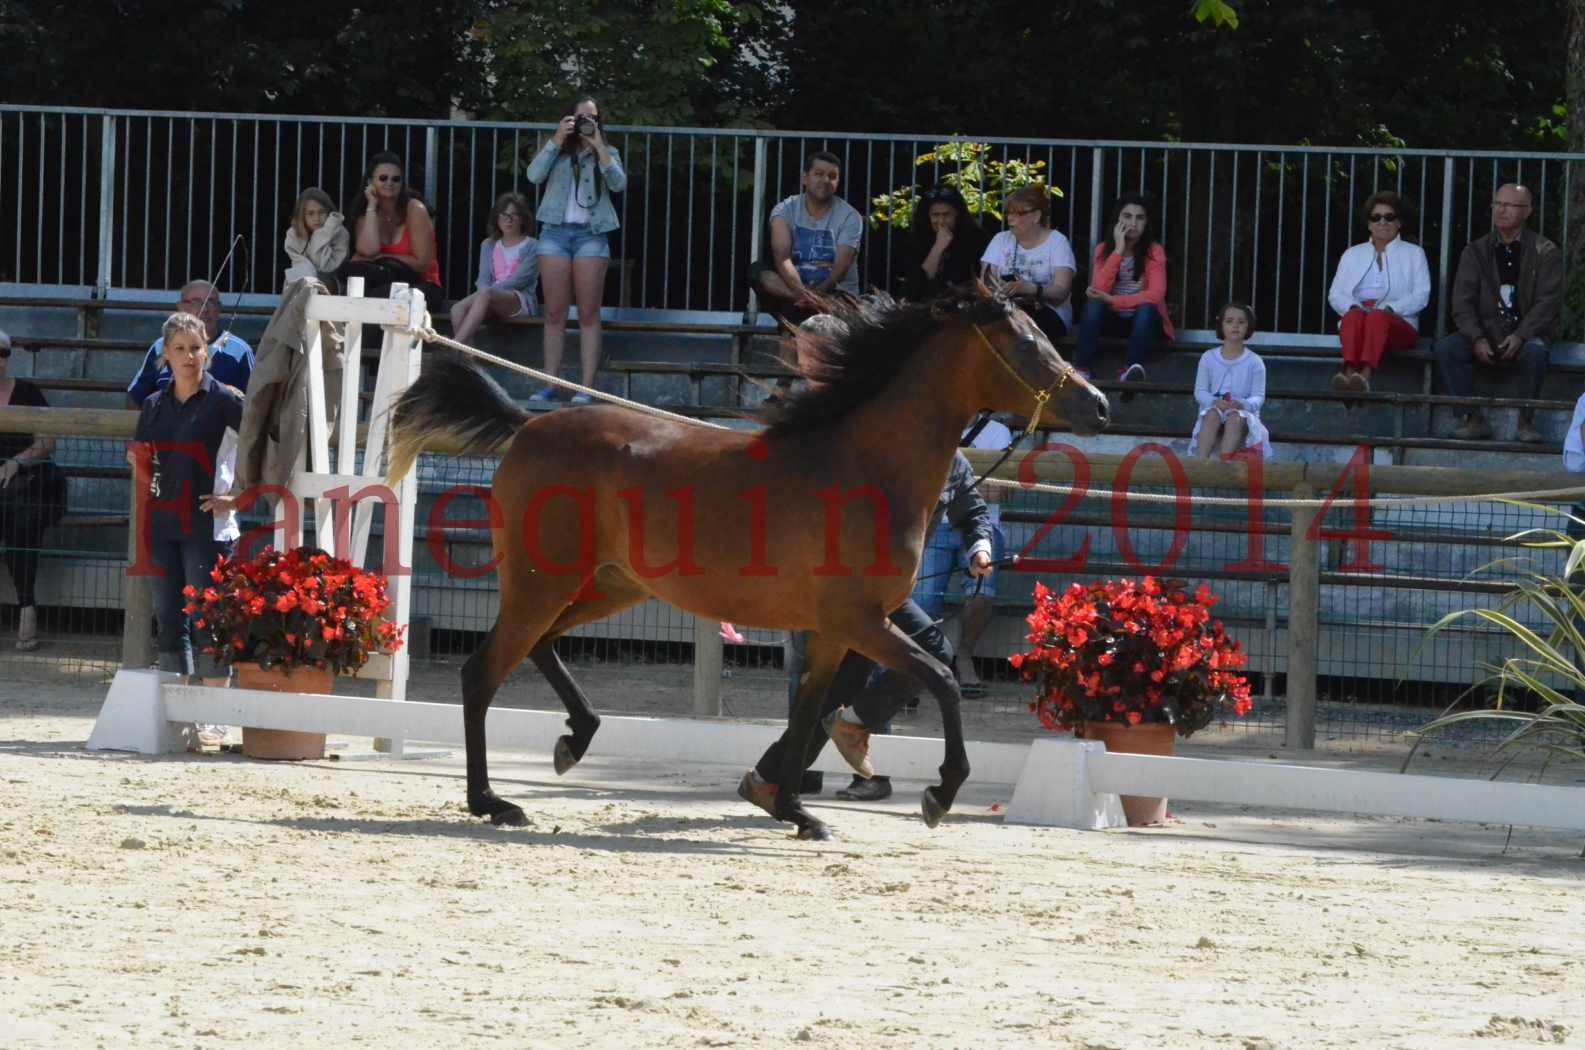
(813,783)
(872,790)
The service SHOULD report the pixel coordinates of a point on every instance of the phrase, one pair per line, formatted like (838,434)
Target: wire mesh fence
(1386,574)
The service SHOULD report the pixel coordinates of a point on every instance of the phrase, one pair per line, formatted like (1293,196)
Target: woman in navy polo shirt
(178,458)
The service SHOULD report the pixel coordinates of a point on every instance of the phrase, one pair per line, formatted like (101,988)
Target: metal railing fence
(137,199)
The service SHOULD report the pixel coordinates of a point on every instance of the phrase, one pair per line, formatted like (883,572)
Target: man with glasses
(1506,299)
(230,359)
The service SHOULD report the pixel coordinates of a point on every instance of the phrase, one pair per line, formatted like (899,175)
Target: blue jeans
(943,558)
(1143,331)
(182,560)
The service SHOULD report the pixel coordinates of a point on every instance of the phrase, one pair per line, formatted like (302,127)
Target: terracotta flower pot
(1147,738)
(283,744)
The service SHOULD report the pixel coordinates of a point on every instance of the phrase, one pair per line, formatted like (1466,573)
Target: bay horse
(815,522)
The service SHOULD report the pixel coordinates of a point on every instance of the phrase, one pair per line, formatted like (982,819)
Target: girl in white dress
(1230,387)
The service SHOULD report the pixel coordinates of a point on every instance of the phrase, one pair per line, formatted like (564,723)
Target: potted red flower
(291,622)
(1131,663)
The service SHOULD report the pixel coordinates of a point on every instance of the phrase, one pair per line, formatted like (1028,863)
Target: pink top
(504,261)
(1152,283)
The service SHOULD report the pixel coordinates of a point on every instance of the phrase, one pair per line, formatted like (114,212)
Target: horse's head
(1025,375)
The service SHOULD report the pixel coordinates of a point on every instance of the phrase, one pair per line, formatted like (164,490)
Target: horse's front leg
(889,646)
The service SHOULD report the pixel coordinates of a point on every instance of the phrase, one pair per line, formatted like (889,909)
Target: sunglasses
(389,178)
(1384,216)
(1011,214)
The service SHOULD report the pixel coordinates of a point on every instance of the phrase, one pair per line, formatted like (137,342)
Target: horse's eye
(1028,345)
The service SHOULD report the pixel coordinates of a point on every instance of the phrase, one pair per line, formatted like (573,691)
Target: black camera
(585,125)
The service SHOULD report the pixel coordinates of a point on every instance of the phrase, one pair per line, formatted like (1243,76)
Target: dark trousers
(35,500)
(182,560)
(1097,319)
(1455,367)
(875,694)
(379,274)
(1046,319)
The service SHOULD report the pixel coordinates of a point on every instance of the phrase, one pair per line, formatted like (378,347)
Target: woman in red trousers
(1379,290)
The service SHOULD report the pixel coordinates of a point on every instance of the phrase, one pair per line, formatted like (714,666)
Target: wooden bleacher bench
(1304,346)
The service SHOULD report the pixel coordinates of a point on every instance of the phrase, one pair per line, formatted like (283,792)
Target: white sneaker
(1132,374)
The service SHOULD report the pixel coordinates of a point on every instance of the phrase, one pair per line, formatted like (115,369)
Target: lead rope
(428,334)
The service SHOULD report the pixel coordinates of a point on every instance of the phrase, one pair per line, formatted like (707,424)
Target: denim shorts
(572,241)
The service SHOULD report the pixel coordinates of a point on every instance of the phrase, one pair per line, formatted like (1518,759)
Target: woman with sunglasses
(508,270)
(32,497)
(947,244)
(1033,262)
(393,236)
(580,171)
(1379,290)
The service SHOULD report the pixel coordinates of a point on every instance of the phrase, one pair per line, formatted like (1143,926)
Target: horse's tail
(453,400)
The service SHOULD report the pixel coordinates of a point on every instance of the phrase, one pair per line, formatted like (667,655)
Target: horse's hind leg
(617,593)
(581,718)
(891,648)
(504,648)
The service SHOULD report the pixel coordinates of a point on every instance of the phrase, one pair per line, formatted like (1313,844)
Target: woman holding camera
(580,171)
(1033,262)
(393,235)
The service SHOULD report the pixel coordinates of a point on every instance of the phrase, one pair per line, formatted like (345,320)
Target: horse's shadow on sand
(627,837)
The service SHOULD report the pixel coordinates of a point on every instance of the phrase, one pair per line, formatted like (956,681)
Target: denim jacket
(553,203)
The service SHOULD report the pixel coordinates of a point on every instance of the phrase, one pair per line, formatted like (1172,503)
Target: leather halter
(1040,396)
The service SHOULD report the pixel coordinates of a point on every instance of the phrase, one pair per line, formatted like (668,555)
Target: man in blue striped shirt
(230,358)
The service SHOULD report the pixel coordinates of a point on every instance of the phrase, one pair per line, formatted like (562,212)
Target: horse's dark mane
(882,337)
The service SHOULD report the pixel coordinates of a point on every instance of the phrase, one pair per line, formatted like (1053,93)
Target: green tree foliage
(971,169)
(647,63)
(1431,72)
(1434,72)
(403,58)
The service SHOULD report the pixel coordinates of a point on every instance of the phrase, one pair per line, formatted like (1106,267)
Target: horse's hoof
(563,756)
(815,831)
(932,809)
(509,816)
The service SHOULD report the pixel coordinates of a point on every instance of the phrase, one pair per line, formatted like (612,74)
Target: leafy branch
(983,180)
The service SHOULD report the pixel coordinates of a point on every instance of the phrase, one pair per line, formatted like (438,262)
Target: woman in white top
(1230,387)
(508,270)
(1033,262)
(1379,290)
(317,242)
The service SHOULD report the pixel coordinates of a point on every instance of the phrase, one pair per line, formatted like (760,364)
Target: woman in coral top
(1127,295)
(393,234)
